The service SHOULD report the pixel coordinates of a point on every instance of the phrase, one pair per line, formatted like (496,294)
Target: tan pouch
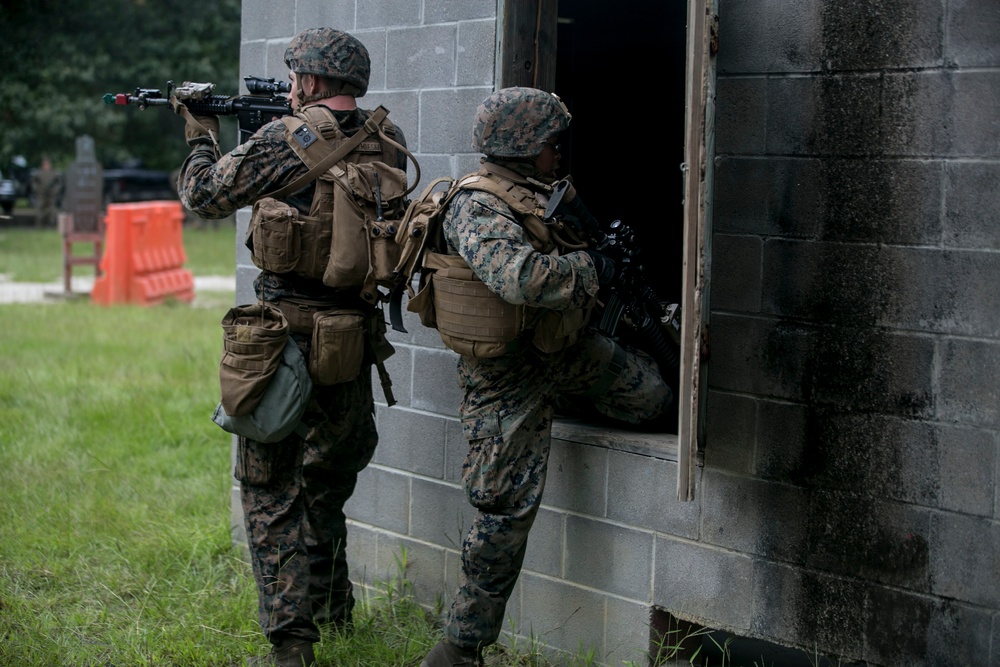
(338,346)
(253,339)
(557,329)
(361,243)
(274,235)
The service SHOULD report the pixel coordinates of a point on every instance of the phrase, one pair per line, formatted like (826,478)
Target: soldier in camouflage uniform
(509,399)
(293,492)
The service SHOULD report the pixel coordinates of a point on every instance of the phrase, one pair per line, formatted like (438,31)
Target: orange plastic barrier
(143,255)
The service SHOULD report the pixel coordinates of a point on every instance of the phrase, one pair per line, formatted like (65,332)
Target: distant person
(46,184)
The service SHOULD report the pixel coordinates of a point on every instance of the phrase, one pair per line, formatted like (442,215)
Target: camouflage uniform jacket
(486,233)
(262,164)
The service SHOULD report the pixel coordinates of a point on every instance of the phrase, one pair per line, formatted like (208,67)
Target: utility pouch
(254,337)
(338,346)
(283,240)
(363,247)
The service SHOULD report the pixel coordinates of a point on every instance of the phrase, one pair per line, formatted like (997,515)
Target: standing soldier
(46,184)
(293,491)
(540,293)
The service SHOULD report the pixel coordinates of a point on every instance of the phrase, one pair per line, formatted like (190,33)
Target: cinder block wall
(848,502)
(851,461)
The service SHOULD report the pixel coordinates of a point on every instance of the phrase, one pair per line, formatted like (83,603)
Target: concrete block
(399,366)
(387,13)
(276,66)
(467,162)
(882,201)
(916,630)
(781,440)
(740,116)
(411,441)
(561,615)
(476,53)
(422,57)
(703,583)
(830,115)
(857,35)
(943,113)
(435,387)
(416,333)
(642,493)
(253,61)
(849,451)
(245,276)
(544,554)
(945,291)
(446,11)
(339,15)
(773,196)
(973,213)
(626,632)
(270,20)
(754,516)
(736,278)
(577,478)
(609,557)
(382,499)
(810,610)
(405,565)
(965,559)
(362,553)
(456,450)
(731,437)
(868,538)
(440,513)
(446,122)
(759,356)
(404,112)
(972,29)
(968,391)
(763,38)
(243,257)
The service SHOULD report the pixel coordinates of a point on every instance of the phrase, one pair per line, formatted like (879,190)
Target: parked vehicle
(131,182)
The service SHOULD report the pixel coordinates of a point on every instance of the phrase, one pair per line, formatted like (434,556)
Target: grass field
(115,544)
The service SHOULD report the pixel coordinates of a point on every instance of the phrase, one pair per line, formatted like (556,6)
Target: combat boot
(286,653)
(448,655)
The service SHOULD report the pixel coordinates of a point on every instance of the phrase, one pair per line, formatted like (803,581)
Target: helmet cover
(516,122)
(330,53)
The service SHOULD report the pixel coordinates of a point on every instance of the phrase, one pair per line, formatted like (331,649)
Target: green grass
(36,255)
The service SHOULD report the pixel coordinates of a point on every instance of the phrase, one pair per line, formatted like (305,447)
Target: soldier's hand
(604,266)
(197,129)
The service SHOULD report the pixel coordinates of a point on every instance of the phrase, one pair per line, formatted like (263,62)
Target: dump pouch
(253,339)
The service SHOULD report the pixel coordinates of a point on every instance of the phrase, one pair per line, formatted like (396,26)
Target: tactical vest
(473,320)
(348,237)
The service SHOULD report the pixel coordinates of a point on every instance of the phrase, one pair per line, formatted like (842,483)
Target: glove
(198,130)
(604,266)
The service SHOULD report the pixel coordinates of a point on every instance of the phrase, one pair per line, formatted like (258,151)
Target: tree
(62,56)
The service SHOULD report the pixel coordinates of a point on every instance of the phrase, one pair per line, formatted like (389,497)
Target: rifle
(631,309)
(252,111)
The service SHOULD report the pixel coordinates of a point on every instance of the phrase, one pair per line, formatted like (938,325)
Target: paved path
(11,292)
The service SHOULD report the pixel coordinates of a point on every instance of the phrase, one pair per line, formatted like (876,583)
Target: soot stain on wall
(854,371)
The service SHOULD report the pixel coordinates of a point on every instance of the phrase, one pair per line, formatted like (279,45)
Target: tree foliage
(62,56)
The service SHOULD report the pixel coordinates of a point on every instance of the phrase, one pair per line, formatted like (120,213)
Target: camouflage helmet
(516,122)
(330,53)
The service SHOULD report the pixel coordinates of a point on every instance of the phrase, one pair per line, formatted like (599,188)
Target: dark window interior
(620,69)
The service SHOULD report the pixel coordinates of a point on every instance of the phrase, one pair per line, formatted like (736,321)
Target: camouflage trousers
(507,415)
(293,494)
